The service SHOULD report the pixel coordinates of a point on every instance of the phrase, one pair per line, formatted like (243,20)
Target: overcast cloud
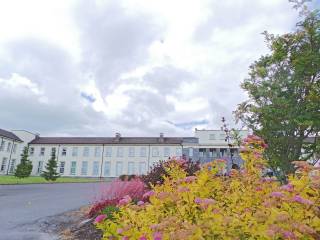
(138,67)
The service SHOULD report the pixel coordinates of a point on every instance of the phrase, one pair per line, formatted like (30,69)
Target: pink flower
(143,238)
(119,230)
(208,201)
(182,189)
(148,194)
(258,189)
(277,194)
(198,200)
(157,236)
(99,218)
(299,199)
(190,179)
(154,226)
(288,187)
(125,200)
(288,235)
(125,238)
(140,203)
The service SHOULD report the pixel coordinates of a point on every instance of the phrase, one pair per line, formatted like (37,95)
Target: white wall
(129,157)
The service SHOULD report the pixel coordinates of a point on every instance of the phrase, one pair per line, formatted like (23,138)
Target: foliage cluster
(24,168)
(50,173)
(209,205)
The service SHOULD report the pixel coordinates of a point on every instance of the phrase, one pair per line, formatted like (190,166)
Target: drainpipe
(102,160)
(10,158)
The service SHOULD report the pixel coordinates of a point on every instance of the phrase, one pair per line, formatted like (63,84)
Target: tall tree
(50,174)
(24,168)
(284,93)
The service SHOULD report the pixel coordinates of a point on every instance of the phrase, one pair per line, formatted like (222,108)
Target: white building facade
(110,156)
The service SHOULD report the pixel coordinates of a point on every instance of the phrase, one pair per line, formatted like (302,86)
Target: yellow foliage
(210,205)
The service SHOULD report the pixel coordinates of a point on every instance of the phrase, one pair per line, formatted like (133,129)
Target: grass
(32,180)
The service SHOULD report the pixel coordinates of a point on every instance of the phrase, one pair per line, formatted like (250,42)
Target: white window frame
(212,136)
(42,151)
(107,169)
(131,152)
(84,168)
(2,145)
(3,164)
(131,168)
(40,167)
(95,168)
(64,152)
(142,168)
(143,152)
(14,150)
(62,167)
(155,152)
(74,151)
(119,168)
(108,151)
(190,151)
(120,152)
(166,152)
(97,151)
(73,168)
(86,152)
(178,152)
(31,152)
(12,166)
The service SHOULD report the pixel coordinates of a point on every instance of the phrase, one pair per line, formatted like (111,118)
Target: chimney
(118,136)
(161,139)
(37,136)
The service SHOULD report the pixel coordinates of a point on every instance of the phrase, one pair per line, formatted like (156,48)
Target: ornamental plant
(210,205)
(159,170)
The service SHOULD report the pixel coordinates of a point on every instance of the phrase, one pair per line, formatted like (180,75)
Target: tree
(24,168)
(51,169)
(284,93)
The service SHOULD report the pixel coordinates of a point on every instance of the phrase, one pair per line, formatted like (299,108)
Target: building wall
(9,155)
(120,159)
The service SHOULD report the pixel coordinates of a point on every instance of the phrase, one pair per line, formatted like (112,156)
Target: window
(201,152)
(74,151)
(84,168)
(97,151)
(95,169)
(190,151)
(107,169)
(212,137)
(31,151)
(86,151)
(120,152)
(131,151)
(12,166)
(3,164)
(3,143)
(108,151)
(178,152)
(143,152)
(62,165)
(212,152)
(42,151)
(119,168)
(40,165)
(53,150)
(131,169)
(223,151)
(166,152)
(9,147)
(73,168)
(64,151)
(155,152)
(14,150)
(142,168)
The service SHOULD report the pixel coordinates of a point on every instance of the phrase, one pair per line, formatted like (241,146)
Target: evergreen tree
(24,168)
(50,174)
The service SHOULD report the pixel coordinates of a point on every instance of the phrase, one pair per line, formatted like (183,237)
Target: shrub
(115,191)
(159,170)
(242,205)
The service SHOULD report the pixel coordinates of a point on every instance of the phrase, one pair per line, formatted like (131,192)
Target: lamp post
(228,137)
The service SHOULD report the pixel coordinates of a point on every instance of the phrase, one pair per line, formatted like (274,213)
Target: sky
(138,67)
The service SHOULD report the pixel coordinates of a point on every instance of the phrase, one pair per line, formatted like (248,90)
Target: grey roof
(9,135)
(106,140)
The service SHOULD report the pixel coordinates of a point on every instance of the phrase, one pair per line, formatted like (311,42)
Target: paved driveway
(21,206)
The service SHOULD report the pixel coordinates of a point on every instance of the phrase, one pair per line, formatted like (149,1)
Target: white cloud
(145,63)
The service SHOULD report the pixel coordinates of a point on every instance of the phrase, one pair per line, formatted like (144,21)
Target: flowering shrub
(159,170)
(115,191)
(209,205)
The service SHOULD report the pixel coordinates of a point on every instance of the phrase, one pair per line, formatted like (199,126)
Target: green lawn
(30,180)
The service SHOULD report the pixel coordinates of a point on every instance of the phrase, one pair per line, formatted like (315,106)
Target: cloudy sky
(138,67)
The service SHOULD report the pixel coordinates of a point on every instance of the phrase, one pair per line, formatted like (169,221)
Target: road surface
(23,206)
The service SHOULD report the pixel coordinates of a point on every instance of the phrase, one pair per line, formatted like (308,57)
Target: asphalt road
(23,206)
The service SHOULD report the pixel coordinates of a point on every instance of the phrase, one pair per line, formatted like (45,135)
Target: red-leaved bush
(114,191)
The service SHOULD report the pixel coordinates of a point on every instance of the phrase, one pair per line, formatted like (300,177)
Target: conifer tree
(24,168)
(50,174)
